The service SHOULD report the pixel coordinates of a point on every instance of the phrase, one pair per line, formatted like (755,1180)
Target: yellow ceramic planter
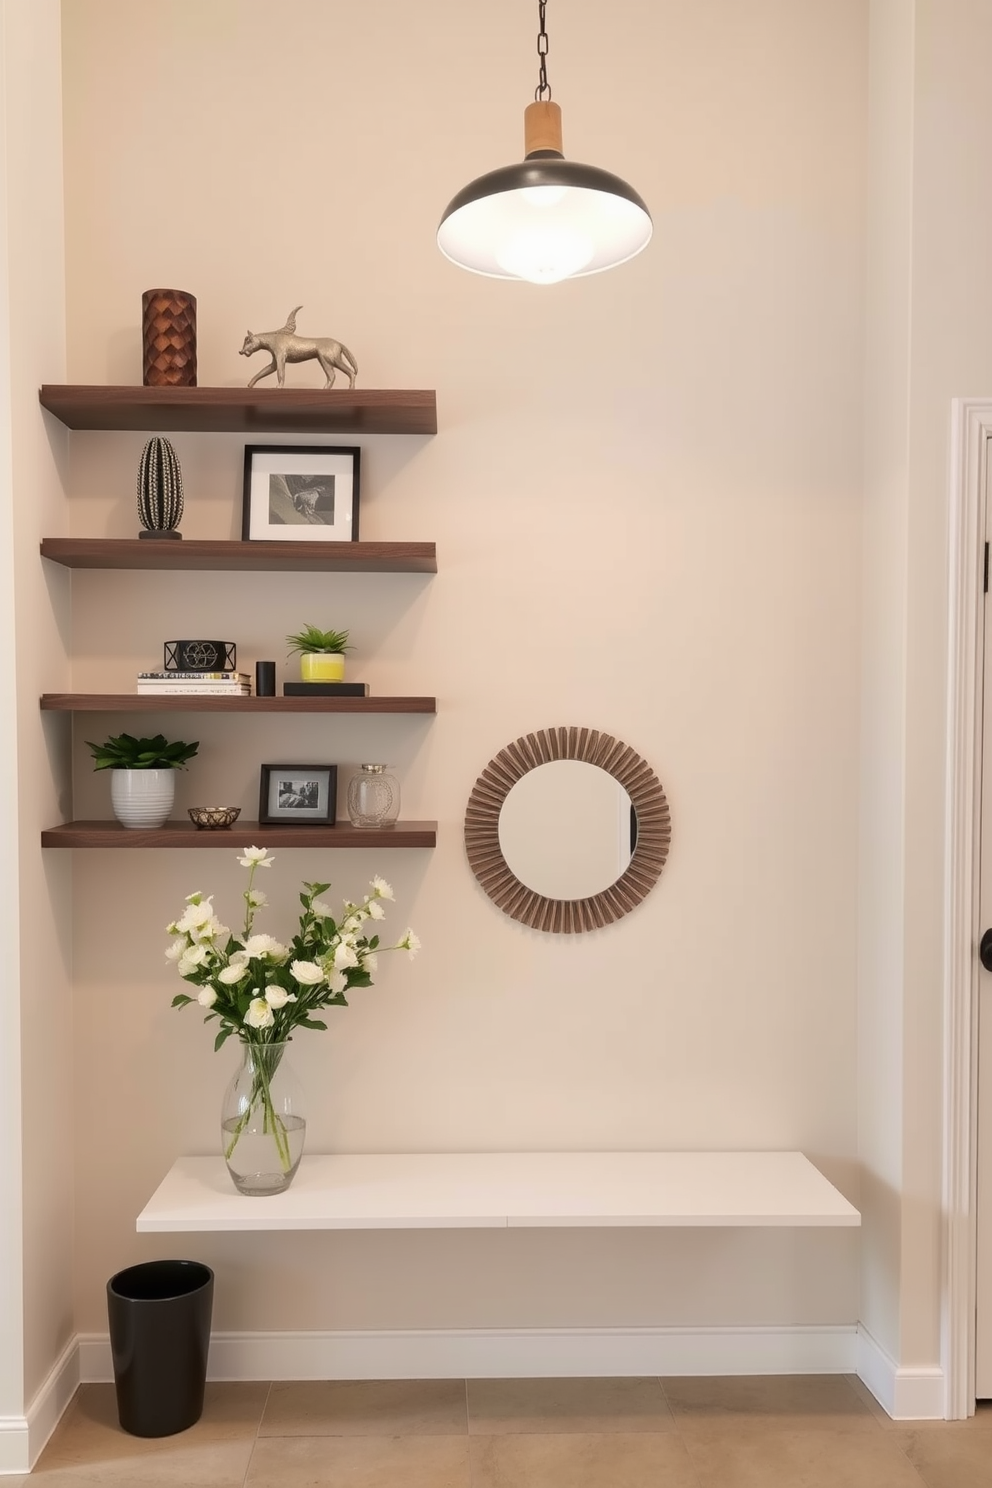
(322,666)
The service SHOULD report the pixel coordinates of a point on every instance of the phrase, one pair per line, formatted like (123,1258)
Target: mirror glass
(565,829)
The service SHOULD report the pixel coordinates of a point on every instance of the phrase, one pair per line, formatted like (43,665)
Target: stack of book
(202,684)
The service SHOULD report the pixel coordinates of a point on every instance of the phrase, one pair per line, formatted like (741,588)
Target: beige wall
(37,895)
(11,1237)
(881,1095)
(952,356)
(929,340)
(671,453)
(645,495)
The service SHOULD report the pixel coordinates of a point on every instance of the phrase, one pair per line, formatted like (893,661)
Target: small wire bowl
(213,818)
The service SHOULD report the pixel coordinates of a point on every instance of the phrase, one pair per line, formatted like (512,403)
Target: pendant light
(547,218)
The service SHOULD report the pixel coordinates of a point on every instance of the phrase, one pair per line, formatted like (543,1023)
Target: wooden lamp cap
(542,128)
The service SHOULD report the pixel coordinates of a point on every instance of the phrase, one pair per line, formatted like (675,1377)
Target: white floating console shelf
(508,1190)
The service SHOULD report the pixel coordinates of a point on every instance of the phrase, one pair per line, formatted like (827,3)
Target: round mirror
(565,830)
(573,850)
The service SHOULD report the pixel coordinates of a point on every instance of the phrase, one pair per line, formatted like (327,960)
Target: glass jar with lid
(373,797)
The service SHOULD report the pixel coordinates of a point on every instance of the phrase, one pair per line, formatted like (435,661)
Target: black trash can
(159,1336)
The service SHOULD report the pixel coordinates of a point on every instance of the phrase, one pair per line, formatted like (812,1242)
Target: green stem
(261,1095)
(249,908)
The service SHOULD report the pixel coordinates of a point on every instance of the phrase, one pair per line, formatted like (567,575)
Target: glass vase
(373,797)
(262,1124)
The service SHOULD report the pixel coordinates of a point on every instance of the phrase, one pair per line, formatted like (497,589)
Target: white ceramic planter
(142,798)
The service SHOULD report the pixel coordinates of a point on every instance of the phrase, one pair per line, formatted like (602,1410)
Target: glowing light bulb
(544,255)
(542,196)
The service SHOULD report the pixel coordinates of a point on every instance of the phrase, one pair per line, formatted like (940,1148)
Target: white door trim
(971,430)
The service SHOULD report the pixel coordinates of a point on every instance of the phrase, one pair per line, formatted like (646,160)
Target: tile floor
(794,1431)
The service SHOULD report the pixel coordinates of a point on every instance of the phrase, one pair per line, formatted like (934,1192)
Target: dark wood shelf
(242,410)
(258,557)
(242,834)
(255,412)
(131,702)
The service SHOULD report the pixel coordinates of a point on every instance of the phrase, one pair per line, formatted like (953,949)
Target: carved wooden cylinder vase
(168,336)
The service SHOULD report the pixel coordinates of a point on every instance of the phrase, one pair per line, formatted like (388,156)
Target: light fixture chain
(542,93)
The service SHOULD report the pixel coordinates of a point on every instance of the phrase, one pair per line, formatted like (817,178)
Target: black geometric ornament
(201,656)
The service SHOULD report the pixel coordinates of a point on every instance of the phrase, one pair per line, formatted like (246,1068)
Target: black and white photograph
(300,493)
(298,793)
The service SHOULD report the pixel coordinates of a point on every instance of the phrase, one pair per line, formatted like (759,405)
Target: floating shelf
(257,557)
(243,410)
(508,1190)
(242,834)
(132,702)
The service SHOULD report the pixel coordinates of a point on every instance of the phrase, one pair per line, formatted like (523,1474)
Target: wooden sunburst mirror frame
(567,916)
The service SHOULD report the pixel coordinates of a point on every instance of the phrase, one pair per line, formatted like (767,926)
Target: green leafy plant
(128,753)
(310,638)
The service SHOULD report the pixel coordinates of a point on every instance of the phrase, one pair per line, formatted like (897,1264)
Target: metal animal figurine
(285,346)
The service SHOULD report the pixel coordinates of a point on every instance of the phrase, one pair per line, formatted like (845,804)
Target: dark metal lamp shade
(546,218)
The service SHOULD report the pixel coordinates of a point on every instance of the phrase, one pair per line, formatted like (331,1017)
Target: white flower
(259,1014)
(307,973)
(230,971)
(277,997)
(265,947)
(191,958)
(345,955)
(410,942)
(198,912)
(211,930)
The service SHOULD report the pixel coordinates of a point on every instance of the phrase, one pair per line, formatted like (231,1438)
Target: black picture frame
(298,795)
(301,493)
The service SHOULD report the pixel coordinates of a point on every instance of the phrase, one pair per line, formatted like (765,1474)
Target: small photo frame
(300,493)
(299,794)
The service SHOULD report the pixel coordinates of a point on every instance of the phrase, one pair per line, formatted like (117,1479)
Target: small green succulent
(128,753)
(312,639)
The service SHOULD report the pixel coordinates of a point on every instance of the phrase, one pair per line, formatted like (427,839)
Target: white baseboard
(14,1455)
(22,1437)
(904,1393)
(507,1353)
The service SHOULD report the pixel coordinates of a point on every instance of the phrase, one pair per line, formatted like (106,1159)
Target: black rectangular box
(325,689)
